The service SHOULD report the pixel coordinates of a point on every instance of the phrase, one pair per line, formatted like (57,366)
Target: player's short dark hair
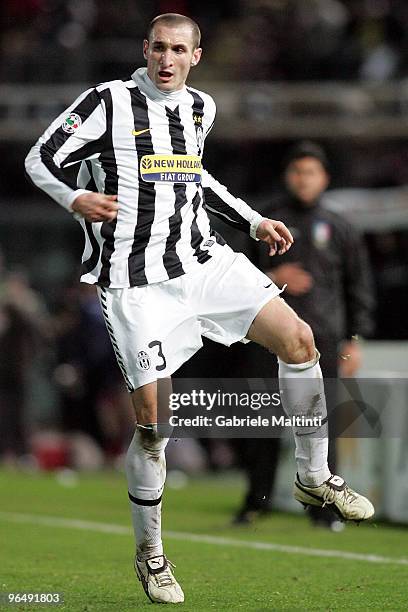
(175,19)
(306,148)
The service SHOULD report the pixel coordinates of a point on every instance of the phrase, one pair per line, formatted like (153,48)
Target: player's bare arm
(276,234)
(96,207)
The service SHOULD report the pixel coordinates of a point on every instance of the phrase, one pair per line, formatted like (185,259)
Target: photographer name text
(248,421)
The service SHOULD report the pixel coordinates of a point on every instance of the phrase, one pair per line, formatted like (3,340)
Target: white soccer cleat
(159,583)
(348,505)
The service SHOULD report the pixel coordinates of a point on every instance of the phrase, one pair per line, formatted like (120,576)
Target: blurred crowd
(58,374)
(91,40)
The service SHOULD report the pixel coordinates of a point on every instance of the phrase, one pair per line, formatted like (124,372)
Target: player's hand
(276,234)
(297,279)
(96,207)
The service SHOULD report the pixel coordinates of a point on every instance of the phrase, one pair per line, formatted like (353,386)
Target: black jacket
(341,302)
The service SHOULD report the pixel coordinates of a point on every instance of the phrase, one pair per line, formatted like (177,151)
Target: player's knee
(299,346)
(150,440)
(147,448)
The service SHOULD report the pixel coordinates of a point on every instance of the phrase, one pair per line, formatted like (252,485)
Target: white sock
(302,394)
(146,474)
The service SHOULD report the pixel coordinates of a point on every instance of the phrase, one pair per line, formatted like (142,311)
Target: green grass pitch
(93,569)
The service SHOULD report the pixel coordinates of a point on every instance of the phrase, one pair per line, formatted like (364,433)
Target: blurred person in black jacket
(328,283)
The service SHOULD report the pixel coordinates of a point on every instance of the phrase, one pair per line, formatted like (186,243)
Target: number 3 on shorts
(154,343)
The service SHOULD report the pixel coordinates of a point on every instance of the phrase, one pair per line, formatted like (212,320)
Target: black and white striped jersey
(145,146)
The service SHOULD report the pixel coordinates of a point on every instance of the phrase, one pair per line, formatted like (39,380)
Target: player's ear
(145,48)
(196,56)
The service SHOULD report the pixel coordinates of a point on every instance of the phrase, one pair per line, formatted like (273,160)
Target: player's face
(306,178)
(170,54)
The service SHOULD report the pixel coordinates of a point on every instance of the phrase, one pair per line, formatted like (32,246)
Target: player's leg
(278,328)
(152,333)
(146,475)
(146,472)
(237,300)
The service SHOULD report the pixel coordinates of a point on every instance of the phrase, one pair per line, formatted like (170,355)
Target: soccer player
(164,278)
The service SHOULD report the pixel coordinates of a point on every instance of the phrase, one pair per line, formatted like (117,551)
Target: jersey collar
(146,86)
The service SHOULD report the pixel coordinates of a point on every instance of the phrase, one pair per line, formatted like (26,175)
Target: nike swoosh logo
(267,286)
(138,132)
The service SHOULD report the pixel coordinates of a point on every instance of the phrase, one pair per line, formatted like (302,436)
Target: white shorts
(156,328)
